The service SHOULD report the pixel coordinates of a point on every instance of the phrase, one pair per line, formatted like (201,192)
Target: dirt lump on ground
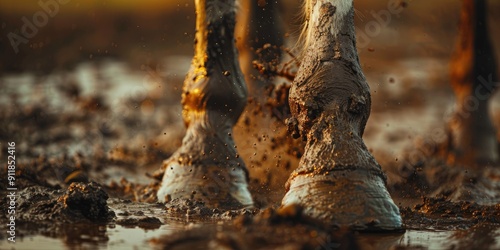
(88,200)
(79,202)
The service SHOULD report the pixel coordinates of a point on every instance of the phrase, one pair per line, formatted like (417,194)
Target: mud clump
(79,202)
(146,222)
(286,228)
(88,200)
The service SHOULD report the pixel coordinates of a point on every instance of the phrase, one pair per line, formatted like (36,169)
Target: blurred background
(132,31)
(139,32)
(126,60)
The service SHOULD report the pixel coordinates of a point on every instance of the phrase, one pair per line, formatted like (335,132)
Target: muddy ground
(92,123)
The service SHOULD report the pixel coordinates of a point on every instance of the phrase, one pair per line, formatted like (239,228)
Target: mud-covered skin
(473,73)
(337,179)
(207,167)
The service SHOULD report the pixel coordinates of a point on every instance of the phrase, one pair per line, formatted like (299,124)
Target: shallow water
(120,237)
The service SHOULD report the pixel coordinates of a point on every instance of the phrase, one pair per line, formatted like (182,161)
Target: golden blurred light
(147,107)
(28,6)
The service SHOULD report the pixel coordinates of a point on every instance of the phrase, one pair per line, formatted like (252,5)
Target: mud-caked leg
(207,166)
(338,180)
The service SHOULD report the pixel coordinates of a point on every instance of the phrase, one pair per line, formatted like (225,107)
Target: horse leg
(472,146)
(473,74)
(338,180)
(259,28)
(207,166)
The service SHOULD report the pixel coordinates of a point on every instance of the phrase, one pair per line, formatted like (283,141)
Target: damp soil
(87,175)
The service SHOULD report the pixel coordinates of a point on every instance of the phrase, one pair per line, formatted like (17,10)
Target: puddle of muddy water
(115,237)
(120,237)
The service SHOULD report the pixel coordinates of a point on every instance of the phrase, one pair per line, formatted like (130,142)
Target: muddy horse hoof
(357,199)
(338,181)
(216,186)
(207,167)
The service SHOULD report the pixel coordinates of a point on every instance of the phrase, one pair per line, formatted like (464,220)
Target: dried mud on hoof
(354,199)
(215,186)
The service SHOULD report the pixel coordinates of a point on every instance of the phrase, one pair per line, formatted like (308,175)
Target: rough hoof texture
(357,199)
(216,186)
(338,180)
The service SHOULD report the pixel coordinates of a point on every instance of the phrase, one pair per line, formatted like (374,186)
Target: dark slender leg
(473,141)
(338,180)
(260,26)
(472,146)
(207,166)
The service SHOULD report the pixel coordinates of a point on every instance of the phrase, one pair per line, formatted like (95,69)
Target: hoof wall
(357,199)
(216,186)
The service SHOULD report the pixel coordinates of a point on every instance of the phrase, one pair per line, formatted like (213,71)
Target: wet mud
(74,188)
(286,228)
(440,213)
(78,202)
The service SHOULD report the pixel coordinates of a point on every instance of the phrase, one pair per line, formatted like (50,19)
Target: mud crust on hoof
(215,186)
(357,199)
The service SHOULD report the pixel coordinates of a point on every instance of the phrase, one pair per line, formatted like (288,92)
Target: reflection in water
(380,241)
(425,239)
(482,236)
(60,236)
(84,234)
(93,236)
